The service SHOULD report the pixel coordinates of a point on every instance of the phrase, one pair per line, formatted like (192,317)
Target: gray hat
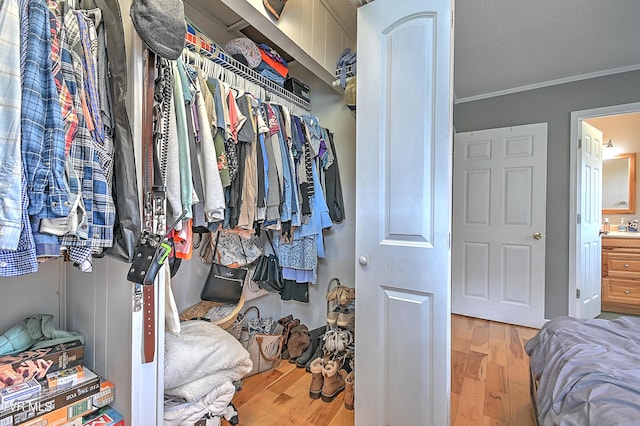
(160,24)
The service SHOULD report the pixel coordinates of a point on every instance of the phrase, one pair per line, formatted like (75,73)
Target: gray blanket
(588,371)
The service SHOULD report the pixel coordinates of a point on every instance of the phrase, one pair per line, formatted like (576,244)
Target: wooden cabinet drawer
(623,265)
(621,291)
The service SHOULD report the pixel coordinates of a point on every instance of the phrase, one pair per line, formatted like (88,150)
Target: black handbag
(223,284)
(268,272)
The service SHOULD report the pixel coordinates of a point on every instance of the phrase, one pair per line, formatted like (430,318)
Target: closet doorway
(585,264)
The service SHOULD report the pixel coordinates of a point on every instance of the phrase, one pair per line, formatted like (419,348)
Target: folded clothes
(273,76)
(272,54)
(279,66)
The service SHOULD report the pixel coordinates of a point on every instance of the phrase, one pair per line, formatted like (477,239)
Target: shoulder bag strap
(246,261)
(271,242)
(215,247)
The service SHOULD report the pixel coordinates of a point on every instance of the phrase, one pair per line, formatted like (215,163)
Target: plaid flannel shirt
(85,154)
(22,260)
(43,146)
(10,156)
(66,93)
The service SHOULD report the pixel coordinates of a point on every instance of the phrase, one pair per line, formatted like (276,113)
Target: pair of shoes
(342,295)
(337,340)
(332,317)
(326,382)
(288,323)
(345,314)
(299,340)
(349,388)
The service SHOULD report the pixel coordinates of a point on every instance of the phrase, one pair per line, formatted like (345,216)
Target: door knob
(363,260)
(537,235)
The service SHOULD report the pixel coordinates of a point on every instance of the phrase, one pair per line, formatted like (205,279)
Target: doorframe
(576,118)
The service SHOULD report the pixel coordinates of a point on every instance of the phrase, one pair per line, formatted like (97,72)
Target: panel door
(589,284)
(499,220)
(403,213)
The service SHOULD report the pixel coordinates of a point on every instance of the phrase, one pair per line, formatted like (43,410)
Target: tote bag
(264,348)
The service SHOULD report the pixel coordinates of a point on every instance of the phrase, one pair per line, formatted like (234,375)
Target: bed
(586,372)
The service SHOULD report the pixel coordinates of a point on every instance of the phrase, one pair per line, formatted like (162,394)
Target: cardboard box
(51,400)
(19,392)
(105,417)
(71,415)
(63,377)
(106,395)
(65,415)
(37,363)
(74,422)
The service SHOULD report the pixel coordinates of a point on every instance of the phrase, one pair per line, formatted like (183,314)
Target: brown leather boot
(349,388)
(333,383)
(317,380)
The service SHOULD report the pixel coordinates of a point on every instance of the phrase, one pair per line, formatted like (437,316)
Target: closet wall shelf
(212,51)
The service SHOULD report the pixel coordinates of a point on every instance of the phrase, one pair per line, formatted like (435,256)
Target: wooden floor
(489,384)
(489,373)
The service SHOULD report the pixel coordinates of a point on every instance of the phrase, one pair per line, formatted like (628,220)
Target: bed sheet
(588,371)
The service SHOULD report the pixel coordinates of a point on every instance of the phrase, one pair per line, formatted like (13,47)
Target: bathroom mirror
(619,184)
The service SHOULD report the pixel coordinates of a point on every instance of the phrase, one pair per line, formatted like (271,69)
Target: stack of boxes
(50,386)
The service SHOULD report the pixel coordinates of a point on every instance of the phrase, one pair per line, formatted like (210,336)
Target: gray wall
(552,105)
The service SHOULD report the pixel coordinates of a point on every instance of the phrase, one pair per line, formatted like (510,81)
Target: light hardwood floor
(489,373)
(489,384)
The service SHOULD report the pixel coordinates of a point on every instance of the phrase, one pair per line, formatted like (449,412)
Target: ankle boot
(319,353)
(333,383)
(349,388)
(317,380)
(306,355)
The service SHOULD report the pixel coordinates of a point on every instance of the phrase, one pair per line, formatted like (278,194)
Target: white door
(588,284)
(499,209)
(403,213)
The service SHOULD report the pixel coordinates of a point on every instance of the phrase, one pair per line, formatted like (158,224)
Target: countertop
(621,234)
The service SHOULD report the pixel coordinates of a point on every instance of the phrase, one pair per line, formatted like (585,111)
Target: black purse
(268,272)
(223,284)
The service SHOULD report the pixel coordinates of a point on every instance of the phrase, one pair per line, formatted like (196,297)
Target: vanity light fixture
(609,145)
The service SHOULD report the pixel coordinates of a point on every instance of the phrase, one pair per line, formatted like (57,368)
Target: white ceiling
(508,45)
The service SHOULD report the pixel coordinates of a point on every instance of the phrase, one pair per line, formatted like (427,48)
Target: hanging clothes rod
(198,44)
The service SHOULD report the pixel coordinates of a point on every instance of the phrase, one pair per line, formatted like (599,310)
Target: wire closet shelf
(210,50)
